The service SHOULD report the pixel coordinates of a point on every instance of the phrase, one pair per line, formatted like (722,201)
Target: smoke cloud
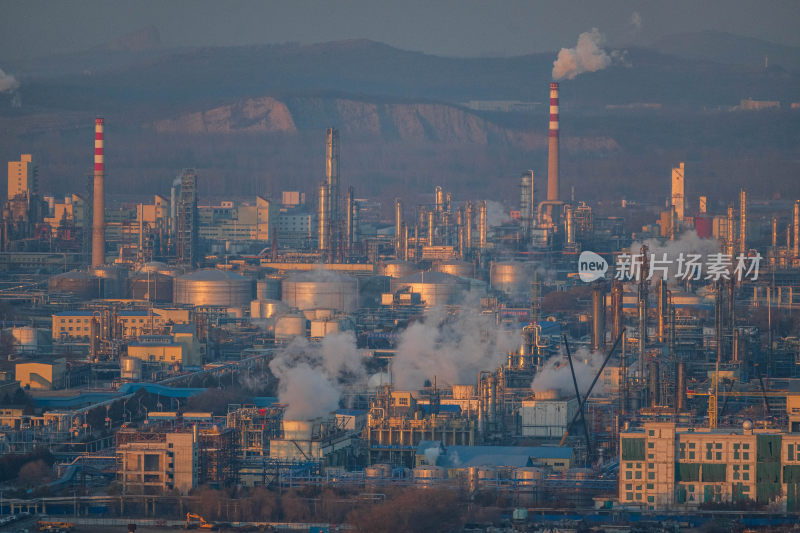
(556,374)
(496,214)
(8,83)
(453,346)
(636,21)
(311,377)
(587,56)
(686,243)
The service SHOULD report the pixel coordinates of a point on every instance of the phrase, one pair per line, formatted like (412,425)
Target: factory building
(663,466)
(21,177)
(156,462)
(41,375)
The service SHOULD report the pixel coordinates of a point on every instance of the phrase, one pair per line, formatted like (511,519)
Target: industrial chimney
(98,205)
(552,165)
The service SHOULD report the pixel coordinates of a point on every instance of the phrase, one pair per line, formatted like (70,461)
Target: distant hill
(729,49)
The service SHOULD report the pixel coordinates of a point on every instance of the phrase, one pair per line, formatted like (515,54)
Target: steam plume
(452,346)
(556,374)
(312,376)
(587,56)
(687,243)
(8,83)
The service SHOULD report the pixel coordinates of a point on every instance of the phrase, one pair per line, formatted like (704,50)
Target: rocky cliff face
(409,122)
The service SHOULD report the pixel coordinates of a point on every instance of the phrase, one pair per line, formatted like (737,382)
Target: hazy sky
(30,28)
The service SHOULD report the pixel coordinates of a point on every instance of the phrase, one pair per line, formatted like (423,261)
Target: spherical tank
(82,285)
(321,290)
(456,268)
(289,326)
(213,287)
(112,281)
(397,269)
(266,308)
(150,286)
(512,278)
(434,288)
(269,288)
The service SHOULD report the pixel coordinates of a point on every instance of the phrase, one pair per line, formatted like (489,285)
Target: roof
(350,412)
(136,313)
(212,274)
(516,456)
(77,313)
(184,328)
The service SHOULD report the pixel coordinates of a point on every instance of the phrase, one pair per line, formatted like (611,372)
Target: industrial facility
(553,355)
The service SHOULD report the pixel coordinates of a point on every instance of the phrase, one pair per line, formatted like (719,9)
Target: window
(651,433)
(719,456)
(746,456)
(691,445)
(790,453)
(746,446)
(629,487)
(651,445)
(628,495)
(628,475)
(651,475)
(650,499)
(746,476)
(691,455)
(638,474)
(718,446)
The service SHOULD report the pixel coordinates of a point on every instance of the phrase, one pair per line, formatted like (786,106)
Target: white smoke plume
(452,346)
(311,377)
(556,373)
(587,56)
(496,214)
(8,83)
(686,243)
(432,454)
(636,21)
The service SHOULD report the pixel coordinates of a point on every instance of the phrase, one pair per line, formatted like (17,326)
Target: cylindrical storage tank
(130,368)
(322,327)
(512,278)
(456,268)
(397,269)
(210,287)
(112,281)
(269,288)
(378,471)
(321,290)
(290,326)
(482,477)
(266,308)
(81,285)
(704,226)
(24,337)
(434,288)
(427,476)
(528,477)
(150,286)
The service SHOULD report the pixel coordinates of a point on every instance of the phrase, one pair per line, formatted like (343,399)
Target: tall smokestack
(796,225)
(398,226)
(98,205)
(742,221)
(332,182)
(552,158)
(482,230)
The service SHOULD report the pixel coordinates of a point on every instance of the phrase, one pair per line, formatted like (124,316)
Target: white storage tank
(427,476)
(434,288)
(321,289)
(112,281)
(211,287)
(397,269)
(454,267)
(512,278)
(267,308)
(482,477)
(290,326)
(130,369)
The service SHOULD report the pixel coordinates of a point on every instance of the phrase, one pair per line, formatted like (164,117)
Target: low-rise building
(156,462)
(41,375)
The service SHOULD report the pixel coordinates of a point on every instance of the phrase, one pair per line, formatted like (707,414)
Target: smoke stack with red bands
(98,206)
(552,165)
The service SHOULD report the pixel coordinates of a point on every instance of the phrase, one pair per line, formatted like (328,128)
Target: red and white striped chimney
(98,205)
(552,165)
